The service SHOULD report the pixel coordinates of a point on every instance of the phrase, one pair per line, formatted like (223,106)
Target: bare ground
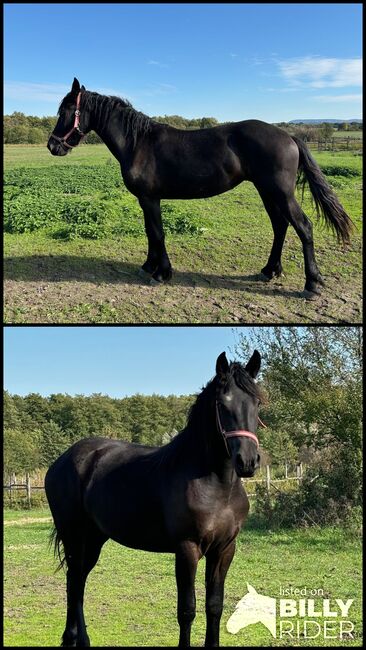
(67,289)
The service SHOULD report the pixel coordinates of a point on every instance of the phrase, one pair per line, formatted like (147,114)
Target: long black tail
(58,548)
(326,202)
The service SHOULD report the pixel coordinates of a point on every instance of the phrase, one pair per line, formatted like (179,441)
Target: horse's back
(68,477)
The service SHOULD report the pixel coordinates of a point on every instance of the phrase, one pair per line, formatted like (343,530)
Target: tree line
(30,129)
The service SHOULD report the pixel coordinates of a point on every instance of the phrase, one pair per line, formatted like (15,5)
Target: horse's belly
(137,522)
(200,187)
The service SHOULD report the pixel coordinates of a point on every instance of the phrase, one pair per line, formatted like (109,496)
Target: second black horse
(161,162)
(185,498)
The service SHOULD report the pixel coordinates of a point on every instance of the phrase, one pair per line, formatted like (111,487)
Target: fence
(337,144)
(26,486)
(270,482)
(264,476)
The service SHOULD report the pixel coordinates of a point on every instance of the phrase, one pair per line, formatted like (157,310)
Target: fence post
(28,483)
(299,471)
(268,478)
(286,471)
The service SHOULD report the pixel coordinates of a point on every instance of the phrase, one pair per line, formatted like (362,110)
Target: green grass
(131,596)
(215,267)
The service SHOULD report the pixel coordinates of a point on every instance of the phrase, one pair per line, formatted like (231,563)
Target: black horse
(161,162)
(185,498)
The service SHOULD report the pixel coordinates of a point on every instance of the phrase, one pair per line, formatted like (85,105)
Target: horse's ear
(253,364)
(251,589)
(82,88)
(75,87)
(222,365)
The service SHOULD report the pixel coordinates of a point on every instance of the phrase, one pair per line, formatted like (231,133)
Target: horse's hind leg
(290,211)
(81,556)
(279,224)
(304,229)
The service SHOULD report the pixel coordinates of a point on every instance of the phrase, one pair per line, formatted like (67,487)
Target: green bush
(327,495)
(78,201)
(339,170)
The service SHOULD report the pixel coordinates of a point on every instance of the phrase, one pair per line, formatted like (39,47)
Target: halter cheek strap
(234,434)
(74,128)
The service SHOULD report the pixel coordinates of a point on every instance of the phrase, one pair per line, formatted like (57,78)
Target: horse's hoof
(156,283)
(263,277)
(310,295)
(143,274)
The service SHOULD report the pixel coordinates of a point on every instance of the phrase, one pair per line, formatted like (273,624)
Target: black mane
(102,106)
(133,122)
(196,435)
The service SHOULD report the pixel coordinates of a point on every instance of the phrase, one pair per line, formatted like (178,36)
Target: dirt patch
(26,520)
(189,298)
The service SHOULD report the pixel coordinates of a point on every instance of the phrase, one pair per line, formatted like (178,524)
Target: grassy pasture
(217,247)
(131,595)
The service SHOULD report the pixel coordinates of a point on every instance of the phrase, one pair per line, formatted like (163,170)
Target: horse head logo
(253,608)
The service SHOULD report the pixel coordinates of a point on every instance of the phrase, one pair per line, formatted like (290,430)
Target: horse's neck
(213,459)
(113,137)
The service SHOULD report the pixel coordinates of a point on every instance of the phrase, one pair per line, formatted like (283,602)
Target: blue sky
(274,62)
(115,361)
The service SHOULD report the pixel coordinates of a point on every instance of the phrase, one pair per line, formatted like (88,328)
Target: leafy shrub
(338,170)
(81,201)
(327,495)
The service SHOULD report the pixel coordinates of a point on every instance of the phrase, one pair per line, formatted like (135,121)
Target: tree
(326,131)
(313,379)
(21,451)
(53,442)
(36,136)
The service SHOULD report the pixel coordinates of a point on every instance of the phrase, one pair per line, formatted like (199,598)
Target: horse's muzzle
(56,148)
(246,469)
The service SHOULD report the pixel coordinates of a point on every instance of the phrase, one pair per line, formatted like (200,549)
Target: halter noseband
(74,128)
(235,434)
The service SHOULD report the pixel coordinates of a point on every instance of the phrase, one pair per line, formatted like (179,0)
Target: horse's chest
(219,517)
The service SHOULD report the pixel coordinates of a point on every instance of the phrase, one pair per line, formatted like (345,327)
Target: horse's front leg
(186,559)
(217,565)
(157,263)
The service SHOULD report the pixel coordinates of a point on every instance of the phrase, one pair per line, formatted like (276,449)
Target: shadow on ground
(63,268)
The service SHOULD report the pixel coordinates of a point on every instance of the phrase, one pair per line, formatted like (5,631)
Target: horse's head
(71,125)
(237,401)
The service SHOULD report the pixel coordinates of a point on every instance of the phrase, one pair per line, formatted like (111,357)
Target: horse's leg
(291,211)
(217,565)
(186,559)
(80,558)
(279,224)
(157,263)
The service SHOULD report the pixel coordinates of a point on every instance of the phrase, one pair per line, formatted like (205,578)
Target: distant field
(58,272)
(131,595)
(347,134)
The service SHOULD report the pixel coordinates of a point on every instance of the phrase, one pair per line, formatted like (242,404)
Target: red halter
(235,434)
(74,128)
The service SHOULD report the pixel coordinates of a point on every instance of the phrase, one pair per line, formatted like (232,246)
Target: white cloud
(24,90)
(157,63)
(318,72)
